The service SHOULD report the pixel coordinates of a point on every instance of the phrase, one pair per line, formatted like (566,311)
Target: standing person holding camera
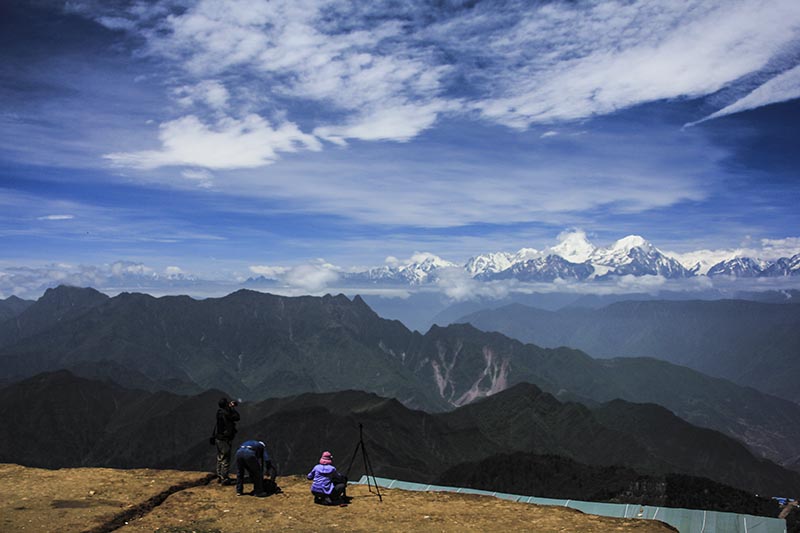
(224,431)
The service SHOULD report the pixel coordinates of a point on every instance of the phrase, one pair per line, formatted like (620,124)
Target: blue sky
(211,137)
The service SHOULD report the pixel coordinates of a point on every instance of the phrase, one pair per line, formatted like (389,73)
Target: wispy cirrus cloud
(383,71)
(209,92)
(56,217)
(284,52)
(783,87)
(572,61)
(440,187)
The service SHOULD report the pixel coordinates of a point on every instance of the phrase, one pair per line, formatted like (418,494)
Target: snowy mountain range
(423,268)
(575,258)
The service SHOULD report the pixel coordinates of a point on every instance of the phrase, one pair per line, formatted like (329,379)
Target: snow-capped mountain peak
(785,266)
(526,254)
(632,241)
(423,267)
(575,258)
(740,267)
(489,263)
(427,262)
(620,253)
(574,247)
(634,255)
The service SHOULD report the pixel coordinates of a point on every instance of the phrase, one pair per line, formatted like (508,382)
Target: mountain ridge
(257,346)
(97,424)
(751,343)
(12,307)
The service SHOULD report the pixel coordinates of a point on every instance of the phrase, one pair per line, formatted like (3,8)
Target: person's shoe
(239,493)
(260,495)
(226,482)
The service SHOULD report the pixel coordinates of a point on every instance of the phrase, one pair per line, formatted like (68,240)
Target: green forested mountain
(62,420)
(252,344)
(258,345)
(751,343)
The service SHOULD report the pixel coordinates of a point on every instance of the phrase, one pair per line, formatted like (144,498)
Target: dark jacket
(226,423)
(255,447)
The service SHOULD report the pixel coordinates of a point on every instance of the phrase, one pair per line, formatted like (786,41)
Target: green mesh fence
(684,520)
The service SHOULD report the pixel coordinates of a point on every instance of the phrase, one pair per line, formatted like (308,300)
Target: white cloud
(775,248)
(203,177)
(260,79)
(123,268)
(612,55)
(270,272)
(296,50)
(228,144)
(116,23)
(31,282)
(209,92)
(380,71)
(785,86)
(443,187)
(400,122)
(457,284)
(56,217)
(311,277)
(398,67)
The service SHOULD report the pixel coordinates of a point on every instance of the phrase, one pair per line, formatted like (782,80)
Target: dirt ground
(76,499)
(62,500)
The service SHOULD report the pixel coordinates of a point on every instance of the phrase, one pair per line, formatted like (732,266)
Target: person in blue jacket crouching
(252,457)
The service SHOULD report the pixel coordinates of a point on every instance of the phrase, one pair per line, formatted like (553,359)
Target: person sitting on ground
(252,457)
(328,486)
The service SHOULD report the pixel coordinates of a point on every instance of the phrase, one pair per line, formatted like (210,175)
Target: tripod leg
(355,452)
(352,459)
(370,472)
(366,469)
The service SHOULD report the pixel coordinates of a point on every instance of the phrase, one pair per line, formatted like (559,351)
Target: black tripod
(368,471)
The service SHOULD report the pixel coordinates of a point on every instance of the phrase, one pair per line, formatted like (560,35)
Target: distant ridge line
(683,520)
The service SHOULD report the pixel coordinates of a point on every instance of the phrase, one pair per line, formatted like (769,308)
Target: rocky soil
(98,500)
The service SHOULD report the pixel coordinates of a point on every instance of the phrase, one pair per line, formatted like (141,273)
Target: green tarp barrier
(684,520)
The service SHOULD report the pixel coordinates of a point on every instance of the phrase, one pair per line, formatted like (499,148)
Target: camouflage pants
(223,458)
